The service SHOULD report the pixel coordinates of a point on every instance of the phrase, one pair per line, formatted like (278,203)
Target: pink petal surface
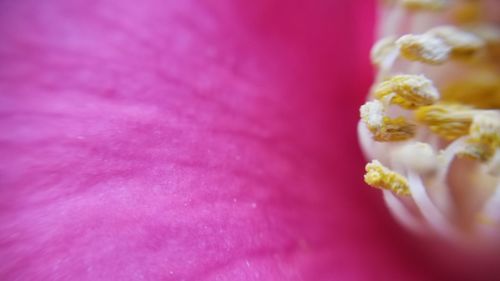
(189,140)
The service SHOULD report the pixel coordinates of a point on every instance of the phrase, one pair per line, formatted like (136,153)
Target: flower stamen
(379,176)
(428,5)
(383,127)
(449,121)
(480,89)
(484,137)
(463,44)
(408,91)
(451,113)
(424,48)
(485,128)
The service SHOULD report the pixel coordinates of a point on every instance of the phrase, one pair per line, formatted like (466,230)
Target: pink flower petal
(189,140)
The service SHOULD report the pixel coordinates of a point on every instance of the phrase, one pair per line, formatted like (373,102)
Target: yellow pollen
(476,150)
(467,12)
(407,91)
(490,34)
(485,128)
(383,127)
(435,101)
(480,89)
(381,177)
(463,44)
(446,120)
(430,5)
(423,48)
(484,136)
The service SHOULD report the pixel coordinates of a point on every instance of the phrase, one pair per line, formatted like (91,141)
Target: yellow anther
(490,34)
(407,91)
(430,5)
(394,129)
(381,177)
(480,89)
(476,150)
(448,121)
(382,127)
(456,114)
(467,12)
(424,48)
(463,44)
(382,49)
(485,128)
(372,114)
(484,137)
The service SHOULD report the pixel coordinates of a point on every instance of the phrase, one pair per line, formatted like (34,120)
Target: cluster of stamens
(423,122)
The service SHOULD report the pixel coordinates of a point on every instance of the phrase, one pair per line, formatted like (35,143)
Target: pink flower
(432,122)
(190,140)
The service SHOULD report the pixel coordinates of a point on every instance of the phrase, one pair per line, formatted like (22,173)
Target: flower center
(432,122)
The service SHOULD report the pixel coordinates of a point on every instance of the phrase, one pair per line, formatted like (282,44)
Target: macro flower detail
(484,137)
(383,127)
(211,140)
(407,91)
(424,48)
(425,4)
(381,177)
(448,121)
(462,44)
(439,44)
(439,77)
